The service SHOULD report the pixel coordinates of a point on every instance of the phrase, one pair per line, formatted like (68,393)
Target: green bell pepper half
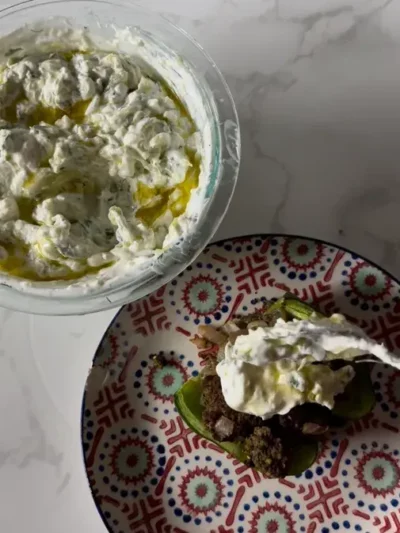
(357,400)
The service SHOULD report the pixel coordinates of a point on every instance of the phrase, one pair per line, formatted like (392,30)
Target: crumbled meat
(272,317)
(209,368)
(159,359)
(243,321)
(266,452)
(223,428)
(300,417)
(214,406)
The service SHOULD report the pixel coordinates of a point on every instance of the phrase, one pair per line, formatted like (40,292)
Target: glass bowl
(224,146)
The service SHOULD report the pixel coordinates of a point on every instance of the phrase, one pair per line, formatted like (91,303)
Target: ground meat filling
(215,408)
(266,452)
(263,445)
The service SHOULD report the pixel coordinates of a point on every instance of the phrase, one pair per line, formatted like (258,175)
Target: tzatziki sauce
(99,157)
(271,370)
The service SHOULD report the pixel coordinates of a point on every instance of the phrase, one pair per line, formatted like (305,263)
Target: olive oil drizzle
(153,202)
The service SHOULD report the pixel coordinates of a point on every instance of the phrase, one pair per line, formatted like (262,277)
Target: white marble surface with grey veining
(317,86)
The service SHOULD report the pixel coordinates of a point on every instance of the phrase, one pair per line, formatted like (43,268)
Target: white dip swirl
(98,160)
(271,370)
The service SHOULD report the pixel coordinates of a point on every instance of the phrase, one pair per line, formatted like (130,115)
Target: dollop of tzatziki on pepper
(98,159)
(272,369)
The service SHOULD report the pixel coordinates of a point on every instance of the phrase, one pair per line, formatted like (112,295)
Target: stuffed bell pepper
(277,381)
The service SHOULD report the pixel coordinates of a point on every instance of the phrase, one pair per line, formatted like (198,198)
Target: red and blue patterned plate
(150,474)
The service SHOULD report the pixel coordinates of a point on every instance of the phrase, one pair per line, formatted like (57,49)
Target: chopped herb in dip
(98,160)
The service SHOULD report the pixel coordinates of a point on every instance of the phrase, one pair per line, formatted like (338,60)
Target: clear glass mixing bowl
(99,15)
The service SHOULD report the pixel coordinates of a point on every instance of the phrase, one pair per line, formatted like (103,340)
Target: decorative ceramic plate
(149,473)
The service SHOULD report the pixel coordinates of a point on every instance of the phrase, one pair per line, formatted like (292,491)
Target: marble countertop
(317,86)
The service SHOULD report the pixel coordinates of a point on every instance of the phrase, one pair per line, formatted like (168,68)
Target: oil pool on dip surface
(99,160)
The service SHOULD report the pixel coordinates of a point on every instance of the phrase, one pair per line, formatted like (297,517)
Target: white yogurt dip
(270,370)
(102,164)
